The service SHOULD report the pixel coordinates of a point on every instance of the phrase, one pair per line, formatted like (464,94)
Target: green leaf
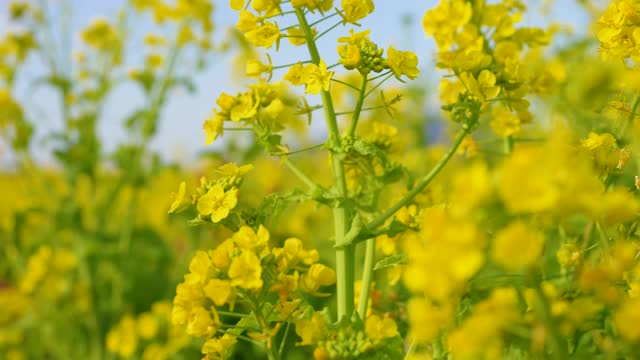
(391,261)
(246,323)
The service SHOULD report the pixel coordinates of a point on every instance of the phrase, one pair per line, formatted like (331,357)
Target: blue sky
(180,136)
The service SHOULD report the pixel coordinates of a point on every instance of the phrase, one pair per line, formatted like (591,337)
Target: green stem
(327,31)
(345,84)
(632,114)
(300,174)
(232,314)
(344,256)
(363,109)
(379,220)
(559,350)
(284,338)
(299,151)
(412,348)
(508,145)
(367,276)
(378,85)
(290,65)
(604,239)
(358,109)
(323,19)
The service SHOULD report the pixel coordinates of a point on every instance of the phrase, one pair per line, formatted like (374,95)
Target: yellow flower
(264,36)
(154,60)
(233,170)
(285,284)
(247,21)
(213,127)
(101,35)
(483,87)
(226,102)
(245,107)
(517,246)
(265,6)
(255,68)
(596,141)
(236,4)
(294,75)
(200,322)
(220,291)
(179,201)
(122,339)
(615,206)
(219,348)
(188,296)
(18,9)
(355,10)
(444,20)
(296,36)
(318,275)
(504,123)
(626,320)
(217,203)
(568,255)
(425,320)
(323,5)
(155,40)
(64,260)
(403,63)
(245,271)
(349,56)
(293,252)
(147,325)
(248,239)
(312,330)
(185,35)
(155,351)
(221,255)
(199,268)
(316,78)
(470,187)
(450,90)
(378,329)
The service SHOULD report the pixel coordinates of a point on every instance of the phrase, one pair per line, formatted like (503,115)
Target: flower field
(355,203)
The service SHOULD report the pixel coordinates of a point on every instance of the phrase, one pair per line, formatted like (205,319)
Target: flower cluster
(359,52)
(266,107)
(241,272)
(619,31)
(214,199)
(482,47)
(149,334)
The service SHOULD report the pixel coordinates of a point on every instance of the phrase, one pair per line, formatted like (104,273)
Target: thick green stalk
(344,255)
(367,276)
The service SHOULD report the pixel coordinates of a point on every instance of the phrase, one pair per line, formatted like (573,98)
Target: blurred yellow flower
(517,246)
